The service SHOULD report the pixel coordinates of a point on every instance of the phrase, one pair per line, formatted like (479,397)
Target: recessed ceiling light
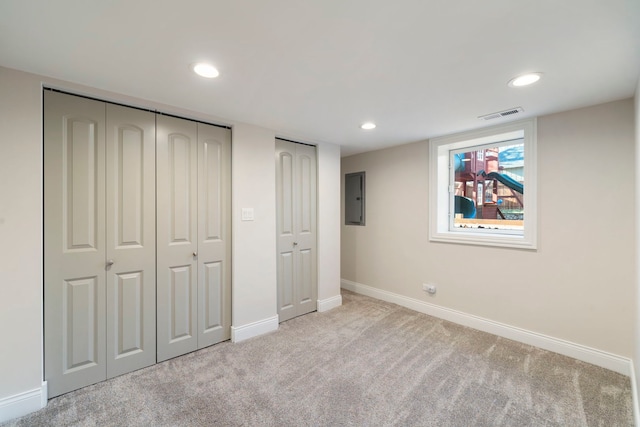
(368,126)
(525,79)
(205,70)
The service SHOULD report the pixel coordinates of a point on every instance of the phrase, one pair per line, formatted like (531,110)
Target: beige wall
(20,233)
(21,273)
(578,286)
(254,255)
(329,222)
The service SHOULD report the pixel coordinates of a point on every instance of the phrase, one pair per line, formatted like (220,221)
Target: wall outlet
(430,289)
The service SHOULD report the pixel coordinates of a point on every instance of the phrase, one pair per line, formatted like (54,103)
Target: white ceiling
(315,70)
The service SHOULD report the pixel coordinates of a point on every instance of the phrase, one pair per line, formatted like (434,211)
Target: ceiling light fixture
(205,70)
(525,79)
(368,126)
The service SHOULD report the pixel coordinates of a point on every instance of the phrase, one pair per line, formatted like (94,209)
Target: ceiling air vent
(504,113)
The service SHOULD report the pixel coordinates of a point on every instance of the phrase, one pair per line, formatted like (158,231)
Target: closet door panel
(284,190)
(213,296)
(129,315)
(80,335)
(181,303)
(305,229)
(177,234)
(214,234)
(305,278)
(286,281)
(296,229)
(181,165)
(131,239)
(285,217)
(74,242)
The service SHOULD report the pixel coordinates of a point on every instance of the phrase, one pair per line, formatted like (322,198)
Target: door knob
(295,243)
(110,262)
(195,254)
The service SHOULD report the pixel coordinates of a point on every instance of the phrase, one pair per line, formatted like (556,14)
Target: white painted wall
(21,272)
(579,286)
(254,242)
(20,235)
(329,221)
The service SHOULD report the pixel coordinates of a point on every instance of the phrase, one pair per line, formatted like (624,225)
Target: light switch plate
(247,214)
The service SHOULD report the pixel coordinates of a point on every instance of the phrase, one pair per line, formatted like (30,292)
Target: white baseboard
(596,357)
(250,330)
(22,404)
(634,395)
(329,303)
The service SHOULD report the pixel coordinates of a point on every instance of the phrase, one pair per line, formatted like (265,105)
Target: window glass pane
(488,185)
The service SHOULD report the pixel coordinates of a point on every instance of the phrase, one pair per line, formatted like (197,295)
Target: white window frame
(441,186)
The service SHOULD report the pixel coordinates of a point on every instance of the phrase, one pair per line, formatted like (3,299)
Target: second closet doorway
(296,229)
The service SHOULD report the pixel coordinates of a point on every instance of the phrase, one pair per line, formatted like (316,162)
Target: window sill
(494,240)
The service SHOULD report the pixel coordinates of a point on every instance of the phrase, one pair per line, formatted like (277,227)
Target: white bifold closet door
(131,239)
(193,241)
(99,221)
(296,229)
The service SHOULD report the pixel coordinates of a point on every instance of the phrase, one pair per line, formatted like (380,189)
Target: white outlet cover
(247,214)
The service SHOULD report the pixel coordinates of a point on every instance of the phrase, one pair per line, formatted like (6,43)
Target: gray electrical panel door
(354,198)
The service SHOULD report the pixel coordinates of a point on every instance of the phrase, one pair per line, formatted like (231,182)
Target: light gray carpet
(366,363)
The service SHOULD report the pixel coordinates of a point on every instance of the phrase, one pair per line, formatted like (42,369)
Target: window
(477,183)
(354,198)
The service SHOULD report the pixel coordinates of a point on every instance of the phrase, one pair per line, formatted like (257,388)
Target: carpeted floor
(366,363)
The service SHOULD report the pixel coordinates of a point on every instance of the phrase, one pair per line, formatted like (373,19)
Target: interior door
(74,241)
(296,229)
(131,239)
(177,238)
(214,234)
